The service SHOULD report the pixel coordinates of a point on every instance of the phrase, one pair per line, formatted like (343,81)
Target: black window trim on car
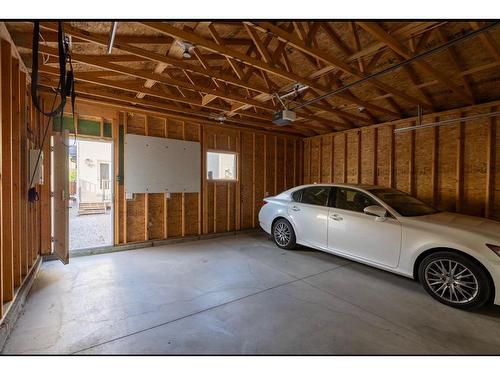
(300,198)
(312,186)
(333,196)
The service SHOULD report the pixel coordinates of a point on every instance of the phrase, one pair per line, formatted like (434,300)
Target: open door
(61,196)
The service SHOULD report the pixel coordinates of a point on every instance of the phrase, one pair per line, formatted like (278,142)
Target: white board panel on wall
(159,165)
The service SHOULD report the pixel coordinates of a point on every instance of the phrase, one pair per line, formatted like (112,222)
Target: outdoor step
(91,208)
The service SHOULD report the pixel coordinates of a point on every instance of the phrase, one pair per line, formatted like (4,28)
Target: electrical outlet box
(36,167)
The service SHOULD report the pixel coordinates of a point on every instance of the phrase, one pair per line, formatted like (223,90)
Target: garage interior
(407,104)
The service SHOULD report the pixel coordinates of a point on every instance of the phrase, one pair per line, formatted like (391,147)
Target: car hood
(473,224)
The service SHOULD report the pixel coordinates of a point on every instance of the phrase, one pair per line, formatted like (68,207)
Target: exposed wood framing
(461,159)
(19,220)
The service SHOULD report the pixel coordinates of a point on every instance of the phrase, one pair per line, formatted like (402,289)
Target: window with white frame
(221,165)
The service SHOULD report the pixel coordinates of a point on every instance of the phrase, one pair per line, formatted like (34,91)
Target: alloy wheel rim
(282,234)
(451,281)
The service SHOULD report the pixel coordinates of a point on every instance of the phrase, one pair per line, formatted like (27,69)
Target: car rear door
(352,232)
(308,212)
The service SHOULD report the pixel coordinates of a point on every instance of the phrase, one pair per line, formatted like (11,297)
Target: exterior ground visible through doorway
(88,231)
(91,194)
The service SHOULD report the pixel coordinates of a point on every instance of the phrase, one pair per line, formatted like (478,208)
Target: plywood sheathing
(454,167)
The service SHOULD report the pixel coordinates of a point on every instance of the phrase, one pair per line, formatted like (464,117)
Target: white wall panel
(159,165)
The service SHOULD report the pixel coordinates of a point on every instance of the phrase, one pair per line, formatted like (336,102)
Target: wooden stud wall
(454,167)
(19,237)
(267,165)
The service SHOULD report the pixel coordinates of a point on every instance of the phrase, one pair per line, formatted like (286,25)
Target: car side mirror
(379,212)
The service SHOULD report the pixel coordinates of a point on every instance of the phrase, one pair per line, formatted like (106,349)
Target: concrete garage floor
(239,295)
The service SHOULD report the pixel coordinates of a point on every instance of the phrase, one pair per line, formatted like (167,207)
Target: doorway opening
(90,194)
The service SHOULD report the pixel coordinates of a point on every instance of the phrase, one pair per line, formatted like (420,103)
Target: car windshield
(404,204)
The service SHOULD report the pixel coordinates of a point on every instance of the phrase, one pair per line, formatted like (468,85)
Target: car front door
(355,233)
(309,214)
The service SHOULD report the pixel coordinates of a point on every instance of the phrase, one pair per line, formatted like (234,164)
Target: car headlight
(495,248)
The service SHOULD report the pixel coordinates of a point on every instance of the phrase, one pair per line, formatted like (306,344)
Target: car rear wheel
(455,280)
(284,235)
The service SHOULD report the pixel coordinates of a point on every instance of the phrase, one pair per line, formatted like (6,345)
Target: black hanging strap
(66,78)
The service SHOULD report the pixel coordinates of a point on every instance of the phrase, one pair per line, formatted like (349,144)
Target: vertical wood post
(116,169)
(375,156)
(460,166)
(435,163)
(6,151)
(16,173)
(125,128)
(344,177)
(490,164)
(411,166)
(392,182)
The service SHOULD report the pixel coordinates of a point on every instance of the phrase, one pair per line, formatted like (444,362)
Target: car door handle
(295,208)
(336,217)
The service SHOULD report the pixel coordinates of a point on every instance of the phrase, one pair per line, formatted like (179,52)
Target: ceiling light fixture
(186,46)
(186,53)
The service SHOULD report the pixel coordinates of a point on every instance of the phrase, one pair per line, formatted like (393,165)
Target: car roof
(358,186)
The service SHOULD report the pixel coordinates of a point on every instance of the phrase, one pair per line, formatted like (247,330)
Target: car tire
(284,235)
(455,280)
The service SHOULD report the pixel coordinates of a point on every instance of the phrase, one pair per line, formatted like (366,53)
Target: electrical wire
(44,137)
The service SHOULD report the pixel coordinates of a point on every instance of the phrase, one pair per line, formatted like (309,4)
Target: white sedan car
(455,257)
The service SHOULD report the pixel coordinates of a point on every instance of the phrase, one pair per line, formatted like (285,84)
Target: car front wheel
(284,235)
(455,280)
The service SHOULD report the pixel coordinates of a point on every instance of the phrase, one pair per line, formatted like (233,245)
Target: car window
(317,195)
(404,204)
(297,195)
(352,200)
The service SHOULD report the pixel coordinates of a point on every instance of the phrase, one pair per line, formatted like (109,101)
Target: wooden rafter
(488,41)
(332,60)
(256,63)
(264,53)
(188,67)
(92,91)
(280,50)
(237,68)
(377,31)
(457,63)
(151,56)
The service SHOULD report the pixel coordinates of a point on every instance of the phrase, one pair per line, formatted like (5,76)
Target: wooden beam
(158,78)
(146,195)
(392,154)
(344,171)
(490,165)
(377,31)
(115,134)
(334,61)
(4,33)
(152,56)
(166,107)
(411,163)
(45,189)
(264,53)
(125,129)
(223,50)
(324,124)
(459,189)
(488,41)
(6,150)
(24,172)
(435,164)
(16,171)
(375,156)
(456,61)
